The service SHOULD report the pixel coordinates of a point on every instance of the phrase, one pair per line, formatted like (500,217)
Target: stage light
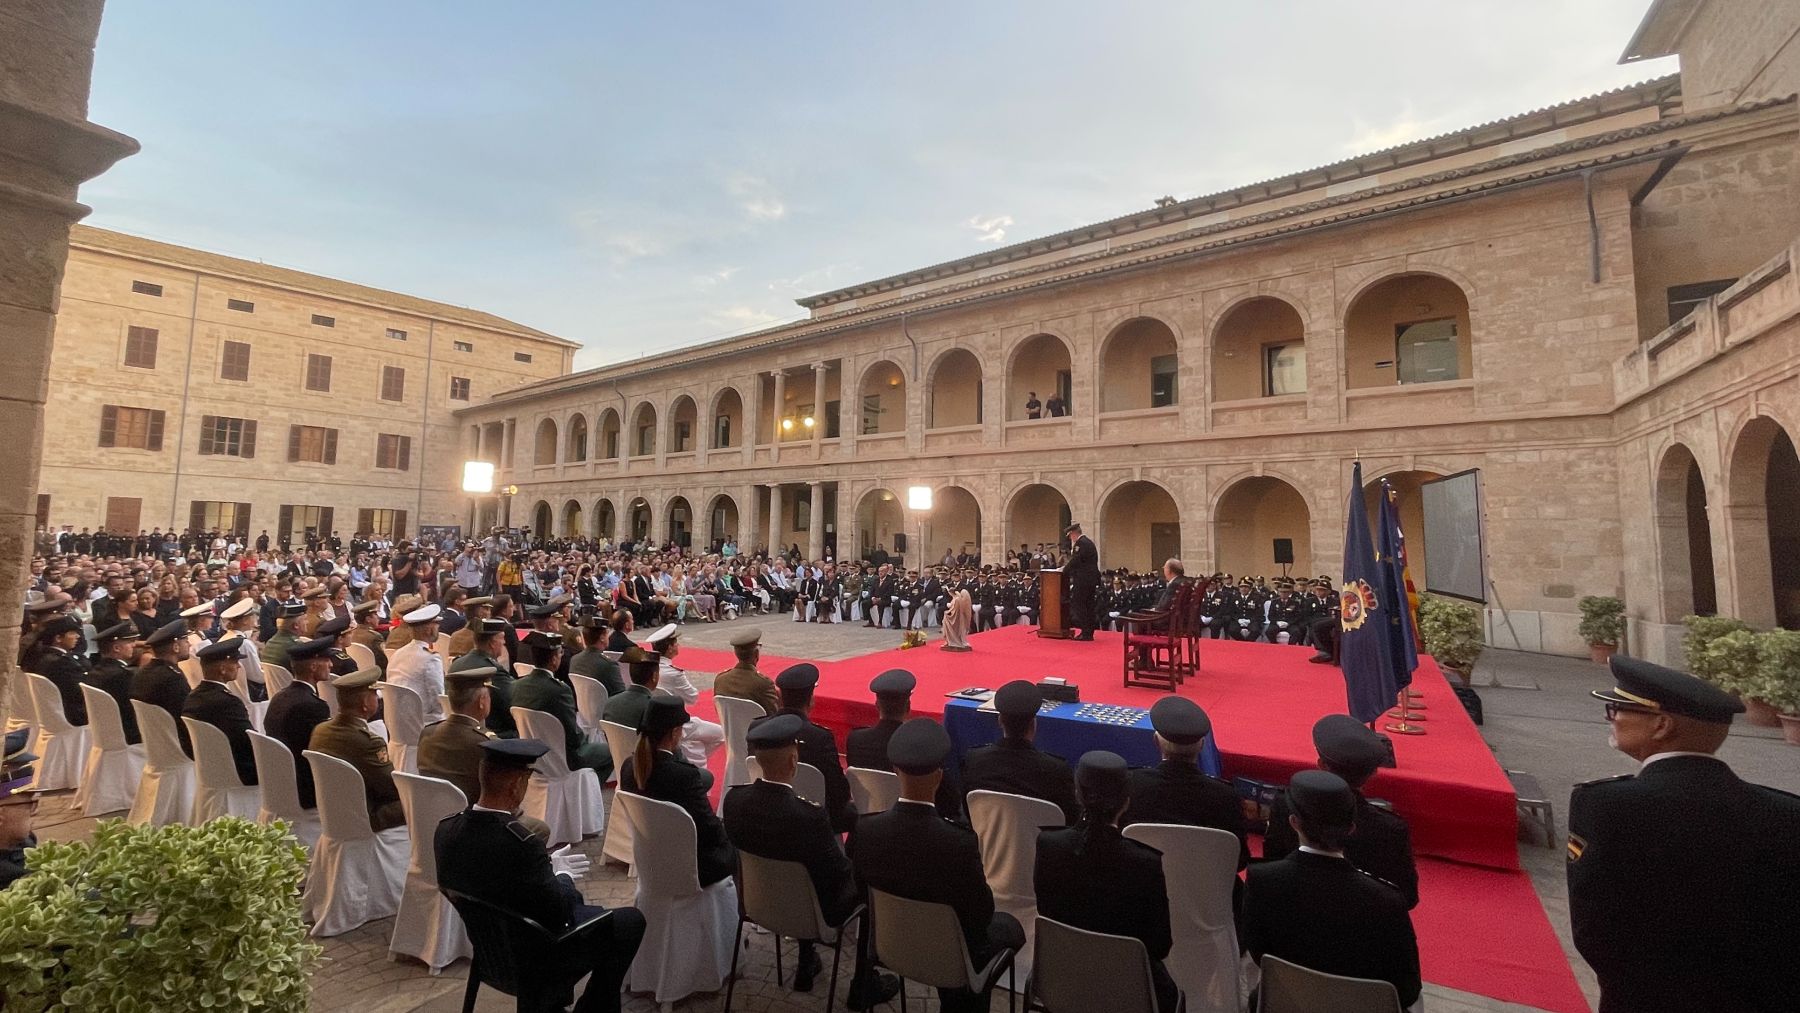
(918,497)
(807,422)
(478,476)
(787,424)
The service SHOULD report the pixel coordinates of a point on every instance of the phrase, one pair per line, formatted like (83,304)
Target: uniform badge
(1576,847)
(381,755)
(1355,603)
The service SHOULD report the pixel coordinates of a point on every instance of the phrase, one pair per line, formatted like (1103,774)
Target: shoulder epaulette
(519,831)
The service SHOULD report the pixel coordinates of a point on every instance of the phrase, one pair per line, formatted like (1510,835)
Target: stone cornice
(71,150)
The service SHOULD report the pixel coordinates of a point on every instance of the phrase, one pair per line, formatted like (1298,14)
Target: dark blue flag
(1364,643)
(1390,557)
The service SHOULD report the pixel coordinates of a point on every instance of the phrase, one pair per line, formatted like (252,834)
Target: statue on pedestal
(957,622)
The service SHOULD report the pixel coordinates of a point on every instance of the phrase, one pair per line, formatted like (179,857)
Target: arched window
(578,438)
(955,390)
(1139,367)
(883,400)
(1040,374)
(643,430)
(682,420)
(1411,328)
(1259,350)
(544,450)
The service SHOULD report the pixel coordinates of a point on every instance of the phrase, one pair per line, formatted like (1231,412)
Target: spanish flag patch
(1576,847)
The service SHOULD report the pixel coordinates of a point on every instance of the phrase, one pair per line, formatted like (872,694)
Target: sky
(637,177)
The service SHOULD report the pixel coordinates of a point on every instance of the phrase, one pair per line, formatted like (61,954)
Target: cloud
(718,277)
(1407,127)
(992,228)
(756,197)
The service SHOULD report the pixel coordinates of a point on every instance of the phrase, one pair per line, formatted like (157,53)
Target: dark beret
(664,712)
(1101,772)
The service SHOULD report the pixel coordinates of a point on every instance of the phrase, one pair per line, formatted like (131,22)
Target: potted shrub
(1452,634)
(167,919)
(1733,668)
(1602,625)
(1778,678)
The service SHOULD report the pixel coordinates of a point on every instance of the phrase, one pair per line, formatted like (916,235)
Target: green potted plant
(1731,667)
(1602,625)
(1778,678)
(1452,634)
(167,919)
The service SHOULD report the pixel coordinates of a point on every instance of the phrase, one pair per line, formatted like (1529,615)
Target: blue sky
(641,176)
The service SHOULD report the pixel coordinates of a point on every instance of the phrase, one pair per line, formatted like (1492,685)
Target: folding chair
(1074,971)
(923,942)
(779,897)
(1289,988)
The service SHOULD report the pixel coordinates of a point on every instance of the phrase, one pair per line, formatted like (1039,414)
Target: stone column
(47,149)
(775,414)
(507,440)
(818,412)
(774,517)
(752,419)
(815,515)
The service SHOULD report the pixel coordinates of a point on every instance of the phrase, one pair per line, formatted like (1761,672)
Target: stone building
(1592,303)
(196,390)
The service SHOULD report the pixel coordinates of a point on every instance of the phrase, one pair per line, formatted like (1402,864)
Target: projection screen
(1455,558)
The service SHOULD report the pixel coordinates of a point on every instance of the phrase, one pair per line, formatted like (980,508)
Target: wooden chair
(1159,652)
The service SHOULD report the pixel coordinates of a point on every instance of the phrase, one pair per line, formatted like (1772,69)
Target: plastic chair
(779,897)
(278,790)
(809,781)
(590,703)
(1200,870)
(427,927)
(62,748)
(516,955)
(621,742)
(1008,826)
(113,766)
(735,714)
(328,693)
(689,930)
(404,714)
(1078,970)
(521,669)
(219,792)
(276,678)
(166,791)
(360,654)
(873,791)
(568,799)
(190,667)
(1289,988)
(923,942)
(356,874)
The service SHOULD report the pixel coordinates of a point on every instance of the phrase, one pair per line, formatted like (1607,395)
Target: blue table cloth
(1063,730)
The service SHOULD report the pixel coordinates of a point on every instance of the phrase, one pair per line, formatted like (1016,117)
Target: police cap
(1179,720)
(1663,690)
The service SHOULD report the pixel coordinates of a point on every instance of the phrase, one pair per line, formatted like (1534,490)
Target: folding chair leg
(776,938)
(837,954)
(737,950)
(1012,988)
(474,987)
(902,995)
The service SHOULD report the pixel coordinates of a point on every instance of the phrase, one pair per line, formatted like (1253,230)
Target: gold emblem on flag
(1355,603)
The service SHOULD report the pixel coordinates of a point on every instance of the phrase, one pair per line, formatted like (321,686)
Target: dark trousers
(1003,931)
(612,948)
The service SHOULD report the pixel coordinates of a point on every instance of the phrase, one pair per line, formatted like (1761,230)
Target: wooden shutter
(293,450)
(206,434)
(196,515)
(243,517)
(399,524)
(286,524)
(154,440)
(249,443)
(365,519)
(405,453)
(325,525)
(330,446)
(109,424)
(122,513)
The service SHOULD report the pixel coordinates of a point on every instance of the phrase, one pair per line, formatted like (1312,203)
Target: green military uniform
(451,749)
(275,651)
(628,707)
(371,638)
(348,738)
(746,683)
(541,691)
(500,690)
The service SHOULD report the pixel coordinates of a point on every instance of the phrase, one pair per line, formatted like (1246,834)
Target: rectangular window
(683,433)
(393,383)
(1162,381)
(396,333)
(123,513)
(1284,369)
(834,412)
(218,515)
(314,444)
(521,356)
(241,305)
(393,451)
(227,437)
(646,441)
(234,360)
(318,372)
(465,346)
(302,524)
(321,320)
(612,444)
(721,431)
(390,523)
(132,428)
(1685,299)
(459,388)
(140,347)
(146,288)
(1426,352)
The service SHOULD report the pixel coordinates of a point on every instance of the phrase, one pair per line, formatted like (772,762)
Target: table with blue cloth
(1070,729)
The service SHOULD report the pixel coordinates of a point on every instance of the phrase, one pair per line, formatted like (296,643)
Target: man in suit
(882,596)
(816,743)
(1314,908)
(660,771)
(540,690)
(56,660)
(742,680)
(452,618)
(912,852)
(868,747)
(1014,765)
(1683,893)
(489,640)
(218,706)
(417,665)
(451,749)
(1083,574)
(298,709)
(1380,843)
(487,854)
(159,681)
(347,737)
(1175,791)
(112,673)
(768,820)
(1089,876)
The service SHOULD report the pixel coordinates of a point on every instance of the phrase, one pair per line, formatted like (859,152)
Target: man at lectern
(1083,571)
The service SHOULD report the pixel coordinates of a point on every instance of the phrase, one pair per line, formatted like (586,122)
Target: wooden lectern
(1053,604)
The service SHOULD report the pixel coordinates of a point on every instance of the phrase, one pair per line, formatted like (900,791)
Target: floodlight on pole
(918,497)
(478,477)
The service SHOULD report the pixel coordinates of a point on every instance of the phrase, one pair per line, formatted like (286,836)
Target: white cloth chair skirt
(218,791)
(735,714)
(621,742)
(569,800)
(190,667)
(278,790)
(427,927)
(62,748)
(276,677)
(590,704)
(360,654)
(688,931)
(166,790)
(356,874)
(1199,868)
(113,767)
(404,714)
(1007,826)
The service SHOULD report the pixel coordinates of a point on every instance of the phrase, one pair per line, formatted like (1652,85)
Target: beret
(664,712)
(1100,771)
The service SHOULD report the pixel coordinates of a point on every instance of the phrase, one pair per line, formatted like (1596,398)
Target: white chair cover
(689,931)
(1008,828)
(113,767)
(363,657)
(328,693)
(427,927)
(356,874)
(1199,867)
(735,714)
(166,791)
(569,800)
(62,748)
(873,791)
(590,704)
(219,791)
(443,707)
(621,742)
(276,678)
(442,644)
(809,781)
(521,669)
(278,790)
(190,667)
(404,714)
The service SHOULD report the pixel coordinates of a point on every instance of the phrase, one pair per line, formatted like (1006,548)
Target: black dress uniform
(819,748)
(1381,844)
(160,683)
(113,677)
(212,703)
(868,747)
(674,780)
(768,820)
(1018,767)
(68,672)
(1219,609)
(1083,574)
(1175,791)
(293,714)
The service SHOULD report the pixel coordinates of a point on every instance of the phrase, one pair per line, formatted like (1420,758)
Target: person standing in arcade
(1083,569)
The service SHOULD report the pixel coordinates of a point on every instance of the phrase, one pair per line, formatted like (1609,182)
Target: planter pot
(1790,728)
(1760,713)
(1600,654)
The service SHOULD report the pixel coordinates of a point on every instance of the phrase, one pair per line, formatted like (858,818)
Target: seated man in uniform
(488,637)
(1175,791)
(298,709)
(112,673)
(487,854)
(767,819)
(644,670)
(742,680)
(58,662)
(159,681)
(912,852)
(451,749)
(416,665)
(868,747)
(540,690)
(592,661)
(1013,764)
(366,634)
(218,706)
(347,737)
(818,746)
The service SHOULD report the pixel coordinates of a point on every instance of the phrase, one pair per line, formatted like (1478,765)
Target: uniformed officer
(1380,843)
(218,706)
(868,747)
(1014,765)
(659,770)
(1083,574)
(159,681)
(489,651)
(274,650)
(17,806)
(57,661)
(818,746)
(452,748)
(742,680)
(1218,610)
(592,661)
(1683,890)
(347,737)
(417,665)
(366,634)
(112,672)
(486,853)
(298,709)
(1175,791)
(540,690)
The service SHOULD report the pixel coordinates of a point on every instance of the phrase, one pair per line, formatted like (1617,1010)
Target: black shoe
(1320,659)
(1089,635)
(871,991)
(806,968)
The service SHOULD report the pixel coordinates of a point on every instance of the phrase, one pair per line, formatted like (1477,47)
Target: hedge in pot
(159,920)
(1778,678)
(1602,625)
(1702,630)
(1452,633)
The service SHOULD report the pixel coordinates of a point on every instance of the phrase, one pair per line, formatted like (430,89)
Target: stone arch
(1036,512)
(1259,350)
(1762,511)
(1410,327)
(728,419)
(638,520)
(1139,366)
(1683,537)
(1405,483)
(882,390)
(954,523)
(1139,526)
(544,445)
(1043,364)
(571,519)
(721,519)
(1249,515)
(879,517)
(577,449)
(953,390)
(607,443)
(543,520)
(603,519)
(680,521)
(642,433)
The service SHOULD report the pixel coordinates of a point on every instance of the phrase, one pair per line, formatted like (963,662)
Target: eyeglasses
(1613,710)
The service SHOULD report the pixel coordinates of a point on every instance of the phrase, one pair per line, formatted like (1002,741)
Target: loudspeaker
(899,543)
(1284,551)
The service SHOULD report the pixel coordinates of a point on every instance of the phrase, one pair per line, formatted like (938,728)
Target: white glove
(1207,620)
(1279,624)
(1244,623)
(565,862)
(1026,609)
